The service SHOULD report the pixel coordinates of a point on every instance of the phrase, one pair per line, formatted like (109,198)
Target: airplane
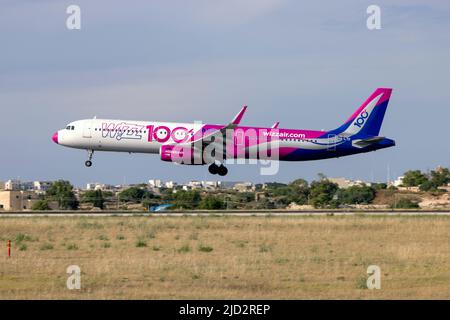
(175,141)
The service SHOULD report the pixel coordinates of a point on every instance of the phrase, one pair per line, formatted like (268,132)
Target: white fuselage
(122,135)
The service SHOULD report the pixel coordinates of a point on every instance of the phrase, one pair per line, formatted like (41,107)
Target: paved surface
(226,213)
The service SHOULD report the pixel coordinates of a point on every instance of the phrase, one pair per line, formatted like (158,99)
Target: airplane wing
(361,143)
(275,125)
(207,139)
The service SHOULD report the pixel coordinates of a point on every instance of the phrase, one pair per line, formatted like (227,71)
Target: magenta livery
(214,145)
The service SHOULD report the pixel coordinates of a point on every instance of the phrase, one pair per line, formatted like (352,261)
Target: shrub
(211,203)
(41,205)
(203,248)
(120,237)
(95,197)
(106,245)
(47,246)
(356,195)
(141,243)
(264,248)
(72,246)
(406,203)
(23,247)
(361,283)
(24,237)
(151,235)
(89,225)
(184,249)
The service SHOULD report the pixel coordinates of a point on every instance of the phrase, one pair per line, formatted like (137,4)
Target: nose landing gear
(220,170)
(88,162)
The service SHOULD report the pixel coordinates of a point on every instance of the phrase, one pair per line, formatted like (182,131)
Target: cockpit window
(73,128)
(68,128)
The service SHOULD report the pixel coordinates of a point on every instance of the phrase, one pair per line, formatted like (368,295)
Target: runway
(283,213)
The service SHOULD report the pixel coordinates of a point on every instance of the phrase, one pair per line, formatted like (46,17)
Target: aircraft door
(87,129)
(332,140)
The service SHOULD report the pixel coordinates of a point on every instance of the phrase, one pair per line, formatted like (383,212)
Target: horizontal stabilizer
(362,143)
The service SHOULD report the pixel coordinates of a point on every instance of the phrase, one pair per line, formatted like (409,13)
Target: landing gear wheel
(213,169)
(223,171)
(88,163)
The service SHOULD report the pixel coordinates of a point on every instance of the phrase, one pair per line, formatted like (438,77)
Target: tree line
(320,193)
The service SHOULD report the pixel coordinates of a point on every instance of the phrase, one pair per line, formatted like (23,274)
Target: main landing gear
(220,170)
(88,162)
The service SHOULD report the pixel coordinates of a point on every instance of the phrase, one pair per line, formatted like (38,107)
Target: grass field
(226,257)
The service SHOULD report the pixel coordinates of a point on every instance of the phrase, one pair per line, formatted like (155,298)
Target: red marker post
(9,248)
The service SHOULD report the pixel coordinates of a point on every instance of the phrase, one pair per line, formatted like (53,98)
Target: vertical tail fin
(368,118)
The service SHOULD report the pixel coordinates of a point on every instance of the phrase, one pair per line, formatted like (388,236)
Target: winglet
(275,125)
(239,116)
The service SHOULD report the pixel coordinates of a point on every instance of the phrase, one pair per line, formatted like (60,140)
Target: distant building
(155,183)
(227,184)
(397,182)
(346,183)
(99,186)
(195,185)
(244,187)
(211,185)
(15,200)
(42,186)
(170,184)
(2,185)
(12,185)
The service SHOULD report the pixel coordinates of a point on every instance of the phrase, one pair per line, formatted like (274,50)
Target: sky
(307,65)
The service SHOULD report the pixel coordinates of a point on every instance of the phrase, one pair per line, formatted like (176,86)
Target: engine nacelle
(181,155)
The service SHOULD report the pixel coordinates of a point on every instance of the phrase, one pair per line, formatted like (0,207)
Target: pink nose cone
(55,138)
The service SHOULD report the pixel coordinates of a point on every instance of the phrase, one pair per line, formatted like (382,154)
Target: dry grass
(226,257)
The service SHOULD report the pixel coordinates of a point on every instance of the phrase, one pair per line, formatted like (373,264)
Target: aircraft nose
(55,138)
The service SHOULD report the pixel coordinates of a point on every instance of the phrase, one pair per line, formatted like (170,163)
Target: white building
(212,185)
(195,184)
(170,184)
(42,186)
(344,183)
(155,183)
(99,186)
(397,182)
(244,187)
(12,185)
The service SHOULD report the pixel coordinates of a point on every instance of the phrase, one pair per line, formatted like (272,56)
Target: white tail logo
(361,119)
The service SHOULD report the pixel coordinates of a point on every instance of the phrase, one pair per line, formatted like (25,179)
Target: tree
(299,191)
(414,178)
(357,195)
(186,199)
(41,205)
(135,194)
(323,193)
(379,186)
(211,203)
(440,177)
(62,191)
(427,186)
(95,197)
